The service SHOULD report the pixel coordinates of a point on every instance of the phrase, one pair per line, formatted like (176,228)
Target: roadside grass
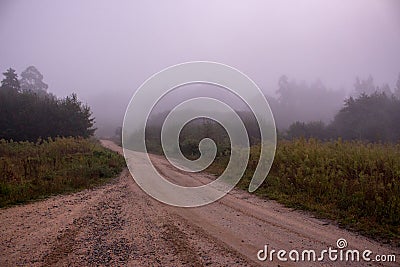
(30,171)
(354,183)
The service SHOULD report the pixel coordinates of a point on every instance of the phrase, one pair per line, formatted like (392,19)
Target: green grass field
(354,183)
(31,171)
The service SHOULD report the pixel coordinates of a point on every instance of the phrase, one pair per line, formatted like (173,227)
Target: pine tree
(10,81)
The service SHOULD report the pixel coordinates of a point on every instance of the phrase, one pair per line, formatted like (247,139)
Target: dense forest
(28,112)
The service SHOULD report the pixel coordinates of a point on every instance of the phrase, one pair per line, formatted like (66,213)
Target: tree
(397,89)
(369,117)
(296,102)
(32,80)
(385,88)
(10,81)
(78,119)
(313,129)
(118,132)
(284,90)
(364,86)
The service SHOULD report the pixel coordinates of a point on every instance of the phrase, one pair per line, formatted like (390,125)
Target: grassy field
(354,183)
(31,171)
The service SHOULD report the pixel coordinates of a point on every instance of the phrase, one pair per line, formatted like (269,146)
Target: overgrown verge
(355,183)
(31,171)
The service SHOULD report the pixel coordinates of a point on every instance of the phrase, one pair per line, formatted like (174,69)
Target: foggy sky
(104,50)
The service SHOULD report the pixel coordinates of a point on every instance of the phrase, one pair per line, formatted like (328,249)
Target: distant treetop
(32,80)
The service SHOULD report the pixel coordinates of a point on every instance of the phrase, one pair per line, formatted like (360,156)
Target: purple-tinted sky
(104,50)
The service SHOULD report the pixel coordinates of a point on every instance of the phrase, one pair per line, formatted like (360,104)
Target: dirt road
(118,224)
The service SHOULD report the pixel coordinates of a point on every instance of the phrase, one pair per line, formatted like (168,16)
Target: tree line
(28,112)
(371,114)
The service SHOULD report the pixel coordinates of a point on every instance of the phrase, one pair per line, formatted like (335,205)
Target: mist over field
(104,50)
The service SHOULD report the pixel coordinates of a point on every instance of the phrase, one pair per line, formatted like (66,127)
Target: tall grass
(355,183)
(34,170)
